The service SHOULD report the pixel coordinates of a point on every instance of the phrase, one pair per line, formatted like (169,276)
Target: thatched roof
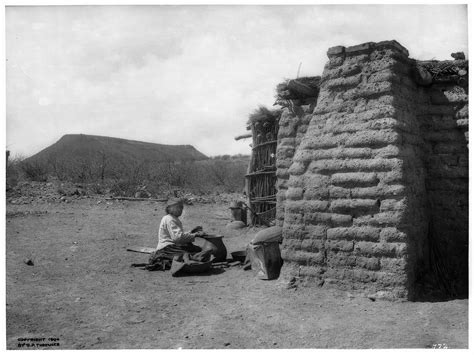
(300,88)
(432,71)
(263,114)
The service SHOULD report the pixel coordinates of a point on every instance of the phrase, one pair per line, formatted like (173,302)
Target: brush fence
(261,175)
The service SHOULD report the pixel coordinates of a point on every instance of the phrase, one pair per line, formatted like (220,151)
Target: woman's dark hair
(169,208)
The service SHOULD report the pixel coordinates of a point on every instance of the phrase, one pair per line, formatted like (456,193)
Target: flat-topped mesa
(372,175)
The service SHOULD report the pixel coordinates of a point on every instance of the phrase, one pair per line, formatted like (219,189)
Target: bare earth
(83,291)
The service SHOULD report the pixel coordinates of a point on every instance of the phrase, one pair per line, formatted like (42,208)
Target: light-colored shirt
(171,232)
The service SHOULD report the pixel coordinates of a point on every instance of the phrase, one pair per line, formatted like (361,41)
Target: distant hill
(123,167)
(84,148)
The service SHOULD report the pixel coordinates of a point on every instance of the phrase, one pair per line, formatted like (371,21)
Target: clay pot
(217,247)
(239,213)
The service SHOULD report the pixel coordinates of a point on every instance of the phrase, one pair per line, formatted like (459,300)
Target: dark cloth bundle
(188,263)
(176,256)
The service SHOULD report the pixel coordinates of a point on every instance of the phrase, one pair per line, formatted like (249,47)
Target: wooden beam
(144,250)
(262,173)
(265,143)
(254,202)
(243,136)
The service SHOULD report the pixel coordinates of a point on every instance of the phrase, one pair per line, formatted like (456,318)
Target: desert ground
(70,284)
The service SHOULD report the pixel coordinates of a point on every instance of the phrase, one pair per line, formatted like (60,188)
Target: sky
(185,74)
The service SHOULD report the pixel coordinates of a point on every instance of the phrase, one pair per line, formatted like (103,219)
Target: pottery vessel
(217,247)
(238,212)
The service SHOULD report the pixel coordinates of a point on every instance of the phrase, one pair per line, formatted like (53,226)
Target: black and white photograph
(236,176)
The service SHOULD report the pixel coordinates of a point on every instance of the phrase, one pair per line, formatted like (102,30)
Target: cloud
(44,101)
(186,74)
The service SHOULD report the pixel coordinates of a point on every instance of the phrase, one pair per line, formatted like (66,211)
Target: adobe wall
(365,186)
(292,129)
(442,112)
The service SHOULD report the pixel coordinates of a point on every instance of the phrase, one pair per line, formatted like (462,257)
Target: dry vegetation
(222,174)
(125,167)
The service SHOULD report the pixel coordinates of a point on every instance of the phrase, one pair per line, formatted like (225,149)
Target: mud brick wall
(292,129)
(414,221)
(354,211)
(443,117)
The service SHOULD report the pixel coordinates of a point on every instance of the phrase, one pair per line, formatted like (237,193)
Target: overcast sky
(185,74)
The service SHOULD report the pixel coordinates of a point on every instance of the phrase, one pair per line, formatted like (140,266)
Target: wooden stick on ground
(144,250)
(136,199)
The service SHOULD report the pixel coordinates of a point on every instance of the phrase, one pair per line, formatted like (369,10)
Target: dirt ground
(82,292)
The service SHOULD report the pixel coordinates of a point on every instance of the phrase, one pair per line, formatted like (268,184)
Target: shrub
(34,170)
(97,189)
(123,187)
(12,172)
(220,174)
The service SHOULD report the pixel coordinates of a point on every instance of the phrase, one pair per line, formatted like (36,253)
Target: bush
(97,189)
(220,174)
(60,190)
(123,187)
(34,171)
(12,176)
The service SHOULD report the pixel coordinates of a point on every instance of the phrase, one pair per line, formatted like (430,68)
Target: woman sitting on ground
(173,241)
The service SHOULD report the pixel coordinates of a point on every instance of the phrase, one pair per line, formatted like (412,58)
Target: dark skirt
(162,259)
